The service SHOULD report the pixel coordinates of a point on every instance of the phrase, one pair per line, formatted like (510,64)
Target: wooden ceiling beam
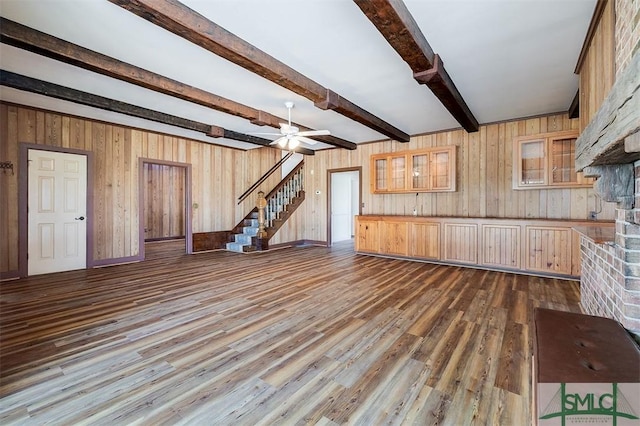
(23,37)
(574,108)
(397,26)
(177,18)
(33,85)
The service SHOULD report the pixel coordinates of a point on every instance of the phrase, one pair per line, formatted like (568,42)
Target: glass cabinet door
(532,163)
(420,171)
(425,170)
(563,161)
(398,173)
(381,174)
(440,173)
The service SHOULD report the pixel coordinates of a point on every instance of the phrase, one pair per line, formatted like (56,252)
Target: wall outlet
(593,215)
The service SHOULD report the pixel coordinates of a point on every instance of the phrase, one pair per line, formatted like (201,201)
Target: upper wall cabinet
(547,161)
(425,170)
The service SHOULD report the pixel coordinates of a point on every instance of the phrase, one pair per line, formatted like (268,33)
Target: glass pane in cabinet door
(381,175)
(440,170)
(563,161)
(420,171)
(398,173)
(532,163)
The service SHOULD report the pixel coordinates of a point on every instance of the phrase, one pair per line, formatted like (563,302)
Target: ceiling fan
(291,136)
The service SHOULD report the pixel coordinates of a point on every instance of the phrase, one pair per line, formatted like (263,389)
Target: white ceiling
(509,59)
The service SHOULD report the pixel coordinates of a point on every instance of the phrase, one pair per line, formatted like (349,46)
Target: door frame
(23,202)
(188,231)
(341,170)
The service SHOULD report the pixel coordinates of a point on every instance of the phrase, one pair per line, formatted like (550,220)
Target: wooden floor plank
(305,335)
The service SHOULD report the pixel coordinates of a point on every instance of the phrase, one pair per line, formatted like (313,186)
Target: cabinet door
(461,242)
(549,249)
(419,179)
(562,170)
(501,246)
(398,173)
(368,238)
(394,238)
(424,240)
(532,169)
(563,163)
(379,177)
(442,170)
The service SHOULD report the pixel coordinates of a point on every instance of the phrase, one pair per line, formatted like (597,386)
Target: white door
(344,204)
(57,212)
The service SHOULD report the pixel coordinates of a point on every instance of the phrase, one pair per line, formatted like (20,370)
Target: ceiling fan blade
(306,140)
(314,133)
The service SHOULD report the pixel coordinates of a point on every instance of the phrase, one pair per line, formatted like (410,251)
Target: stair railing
(283,194)
(264,177)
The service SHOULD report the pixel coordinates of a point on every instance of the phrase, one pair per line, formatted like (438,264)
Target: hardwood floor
(306,335)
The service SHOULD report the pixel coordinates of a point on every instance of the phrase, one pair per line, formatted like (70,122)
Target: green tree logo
(564,405)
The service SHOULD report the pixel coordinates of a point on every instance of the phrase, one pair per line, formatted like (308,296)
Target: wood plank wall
(484,174)
(219,176)
(597,71)
(164,198)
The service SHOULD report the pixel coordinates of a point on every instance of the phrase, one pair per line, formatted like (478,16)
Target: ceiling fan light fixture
(290,136)
(293,143)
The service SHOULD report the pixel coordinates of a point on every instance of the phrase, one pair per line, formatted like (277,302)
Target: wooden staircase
(281,202)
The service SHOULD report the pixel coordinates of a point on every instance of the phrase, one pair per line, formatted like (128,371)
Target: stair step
(251,222)
(244,239)
(240,247)
(235,247)
(250,230)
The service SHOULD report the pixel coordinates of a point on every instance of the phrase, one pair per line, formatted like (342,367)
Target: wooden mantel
(613,135)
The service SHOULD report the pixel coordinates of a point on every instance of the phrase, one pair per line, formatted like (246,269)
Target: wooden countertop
(598,233)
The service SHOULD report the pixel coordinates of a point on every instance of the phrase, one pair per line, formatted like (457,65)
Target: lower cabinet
(425,240)
(539,247)
(549,249)
(461,242)
(367,236)
(394,238)
(501,246)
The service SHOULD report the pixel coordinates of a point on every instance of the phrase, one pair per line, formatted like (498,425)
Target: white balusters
(283,196)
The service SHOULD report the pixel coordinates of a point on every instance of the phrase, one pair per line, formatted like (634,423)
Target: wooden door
(164,201)
(57,231)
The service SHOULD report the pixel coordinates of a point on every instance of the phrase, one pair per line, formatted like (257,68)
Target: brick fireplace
(610,281)
(609,149)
